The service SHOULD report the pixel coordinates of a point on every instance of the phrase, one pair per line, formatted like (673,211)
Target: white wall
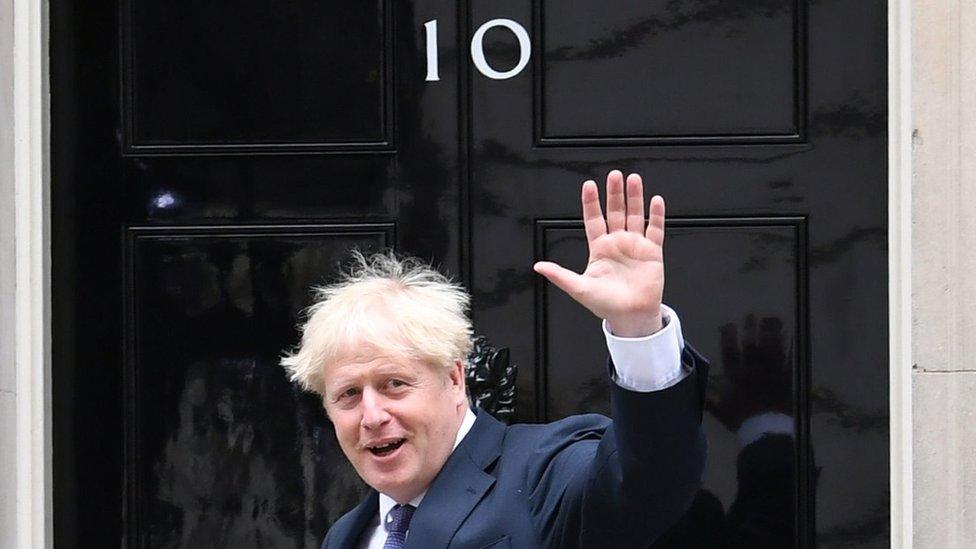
(8,460)
(944,272)
(24,287)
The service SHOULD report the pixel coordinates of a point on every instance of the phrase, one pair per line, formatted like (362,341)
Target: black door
(211,161)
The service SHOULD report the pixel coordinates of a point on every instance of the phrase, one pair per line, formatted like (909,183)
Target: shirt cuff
(649,363)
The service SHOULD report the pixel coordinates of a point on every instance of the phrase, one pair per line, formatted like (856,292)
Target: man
(386,346)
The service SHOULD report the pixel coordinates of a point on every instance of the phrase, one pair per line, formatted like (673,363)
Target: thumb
(566,280)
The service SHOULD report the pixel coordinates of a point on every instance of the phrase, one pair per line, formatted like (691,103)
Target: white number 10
(477,49)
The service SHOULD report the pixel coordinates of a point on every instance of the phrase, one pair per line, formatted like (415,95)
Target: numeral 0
(477,49)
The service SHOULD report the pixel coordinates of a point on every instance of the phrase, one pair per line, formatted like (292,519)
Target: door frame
(25,183)
(900,269)
(25,241)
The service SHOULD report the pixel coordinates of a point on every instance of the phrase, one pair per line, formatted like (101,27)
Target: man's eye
(348,393)
(395,383)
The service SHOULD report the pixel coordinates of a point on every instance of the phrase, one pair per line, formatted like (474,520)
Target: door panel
(220,448)
(762,283)
(738,66)
(257,76)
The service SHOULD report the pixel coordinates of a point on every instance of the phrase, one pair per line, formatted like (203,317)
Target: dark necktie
(397,523)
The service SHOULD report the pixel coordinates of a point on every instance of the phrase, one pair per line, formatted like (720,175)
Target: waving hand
(624,277)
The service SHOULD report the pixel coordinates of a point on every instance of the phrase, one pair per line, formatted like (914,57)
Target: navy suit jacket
(583,481)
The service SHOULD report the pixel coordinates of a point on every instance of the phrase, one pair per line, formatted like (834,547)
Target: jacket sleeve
(628,486)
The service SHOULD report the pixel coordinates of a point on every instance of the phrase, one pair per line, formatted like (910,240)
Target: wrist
(638,326)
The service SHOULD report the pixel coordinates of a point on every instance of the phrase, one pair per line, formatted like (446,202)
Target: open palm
(624,277)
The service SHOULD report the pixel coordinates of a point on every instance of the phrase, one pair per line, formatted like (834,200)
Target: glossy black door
(212,161)
(763,125)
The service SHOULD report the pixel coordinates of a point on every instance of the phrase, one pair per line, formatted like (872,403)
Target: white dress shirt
(642,364)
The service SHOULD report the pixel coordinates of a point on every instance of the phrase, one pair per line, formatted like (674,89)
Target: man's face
(395,418)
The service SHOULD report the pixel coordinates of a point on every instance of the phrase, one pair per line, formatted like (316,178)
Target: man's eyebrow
(339,384)
(382,370)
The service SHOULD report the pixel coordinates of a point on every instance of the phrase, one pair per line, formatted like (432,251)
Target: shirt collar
(387,503)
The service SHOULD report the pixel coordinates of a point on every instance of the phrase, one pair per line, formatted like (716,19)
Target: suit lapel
(345,534)
(459,486)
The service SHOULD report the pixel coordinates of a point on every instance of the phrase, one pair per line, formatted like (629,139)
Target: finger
(655,221)
(566,280)
(635,204)
(592,215)
(616,217)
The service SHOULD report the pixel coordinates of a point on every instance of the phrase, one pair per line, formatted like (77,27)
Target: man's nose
(374,409)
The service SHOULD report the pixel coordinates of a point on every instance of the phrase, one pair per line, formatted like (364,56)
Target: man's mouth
(386,448)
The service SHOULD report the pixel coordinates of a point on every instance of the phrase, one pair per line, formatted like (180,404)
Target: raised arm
(627,486)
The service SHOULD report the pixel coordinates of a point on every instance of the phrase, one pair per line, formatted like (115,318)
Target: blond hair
(384,303)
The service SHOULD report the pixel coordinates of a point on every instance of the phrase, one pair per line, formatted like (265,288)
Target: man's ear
(458,378)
